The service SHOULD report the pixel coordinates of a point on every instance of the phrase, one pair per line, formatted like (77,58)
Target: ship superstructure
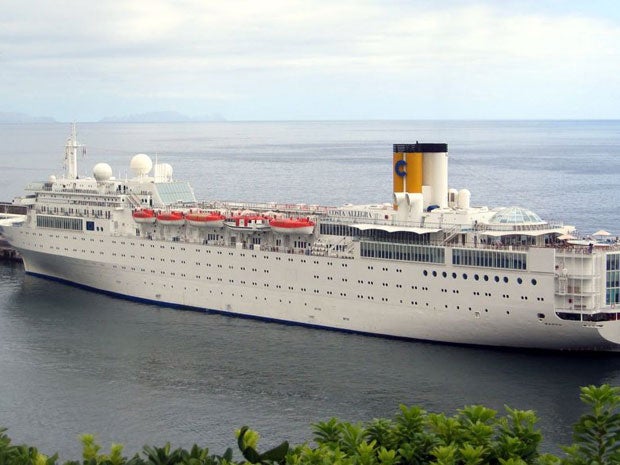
(427,265)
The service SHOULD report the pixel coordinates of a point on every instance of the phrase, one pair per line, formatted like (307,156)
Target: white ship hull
(266,296)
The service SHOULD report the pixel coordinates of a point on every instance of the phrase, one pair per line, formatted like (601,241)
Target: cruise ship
(427,265)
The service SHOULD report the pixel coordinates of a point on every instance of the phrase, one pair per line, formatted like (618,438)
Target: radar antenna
(71,151)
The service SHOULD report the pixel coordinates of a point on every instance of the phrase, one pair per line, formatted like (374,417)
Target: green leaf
(276,454)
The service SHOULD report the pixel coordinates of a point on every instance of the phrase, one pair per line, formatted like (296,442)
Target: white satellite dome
(141,164)
(102,172)
(52,178)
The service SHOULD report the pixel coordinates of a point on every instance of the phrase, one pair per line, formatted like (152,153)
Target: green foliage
(247,441)
(475,435)
(597,434)
(327,433)
(22,454)
(380,430)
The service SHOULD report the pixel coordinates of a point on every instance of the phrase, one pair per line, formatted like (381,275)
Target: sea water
(73,361)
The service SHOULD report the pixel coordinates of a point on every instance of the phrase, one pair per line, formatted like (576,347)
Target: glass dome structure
(516,215)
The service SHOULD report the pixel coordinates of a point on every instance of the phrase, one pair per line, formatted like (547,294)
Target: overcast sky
(311,59)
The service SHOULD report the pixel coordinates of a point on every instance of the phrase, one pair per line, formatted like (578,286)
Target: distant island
(149,117)
(160,117)
(12,117)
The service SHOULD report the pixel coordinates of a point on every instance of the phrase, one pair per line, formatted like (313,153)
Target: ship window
(405,252)
(612,281)
(489,258)
(534,282)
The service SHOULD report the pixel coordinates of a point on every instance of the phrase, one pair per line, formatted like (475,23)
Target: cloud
(247,51)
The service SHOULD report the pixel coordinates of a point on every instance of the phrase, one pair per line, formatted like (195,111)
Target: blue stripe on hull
(159,303)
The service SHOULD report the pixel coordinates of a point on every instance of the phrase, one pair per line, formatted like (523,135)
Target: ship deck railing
(301,209)
(329,252)
(564,250)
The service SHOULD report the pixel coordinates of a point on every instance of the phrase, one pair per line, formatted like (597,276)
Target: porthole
(454,275)
(476,277)
(434,273)
(496,279)
(534,282)
(425,273)
(505,279)
(519,280)
(464,275)
(444,274)
(486,277)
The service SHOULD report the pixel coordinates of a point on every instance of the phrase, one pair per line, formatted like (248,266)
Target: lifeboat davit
(144,216)
(204,219)
(292,225)
(247,222)
(171,218)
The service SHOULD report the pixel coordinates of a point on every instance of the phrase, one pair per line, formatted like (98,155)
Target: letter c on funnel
(399,168)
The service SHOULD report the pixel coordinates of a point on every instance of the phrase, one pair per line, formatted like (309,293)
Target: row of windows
(489,258)
(612,295)
(613,279)
(338,230)
(613,261)
(56,222)
(410,253)
(359,296)
(477,277)
(75,211)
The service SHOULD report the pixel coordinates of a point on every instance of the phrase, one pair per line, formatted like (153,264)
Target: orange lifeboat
(144,216)
(292,225)
(171,218)
(206,219)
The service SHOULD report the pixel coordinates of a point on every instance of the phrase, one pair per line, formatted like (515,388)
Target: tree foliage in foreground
(474,435)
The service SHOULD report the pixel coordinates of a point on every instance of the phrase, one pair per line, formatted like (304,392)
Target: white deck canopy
(391,229)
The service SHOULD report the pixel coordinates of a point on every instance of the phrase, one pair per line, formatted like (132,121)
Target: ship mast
(71,151)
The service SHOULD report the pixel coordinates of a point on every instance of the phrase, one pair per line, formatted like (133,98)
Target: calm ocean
(72,361)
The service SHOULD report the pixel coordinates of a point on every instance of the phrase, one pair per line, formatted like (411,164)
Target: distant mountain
(160,117)
(9,117)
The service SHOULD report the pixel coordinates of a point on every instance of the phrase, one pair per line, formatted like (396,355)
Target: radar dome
(102,171)
(52,178)
(141,164)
